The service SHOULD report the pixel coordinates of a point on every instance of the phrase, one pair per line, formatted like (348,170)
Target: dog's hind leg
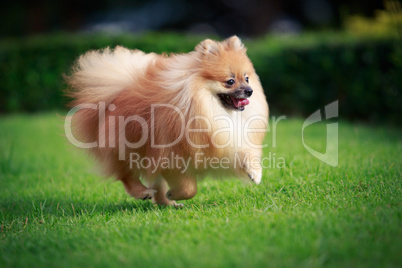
(130,179)
(136,189)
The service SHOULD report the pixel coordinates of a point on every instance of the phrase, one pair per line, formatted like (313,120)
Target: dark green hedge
(32,69)
(299,74)
(365,75)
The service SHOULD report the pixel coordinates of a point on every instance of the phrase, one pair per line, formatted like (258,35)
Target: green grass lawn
(55,211)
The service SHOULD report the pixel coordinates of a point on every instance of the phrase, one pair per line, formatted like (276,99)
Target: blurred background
(308,52)
(220,17)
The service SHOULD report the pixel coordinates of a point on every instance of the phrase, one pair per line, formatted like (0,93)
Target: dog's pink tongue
(240,102)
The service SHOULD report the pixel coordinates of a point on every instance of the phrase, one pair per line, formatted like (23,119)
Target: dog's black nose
(248,92)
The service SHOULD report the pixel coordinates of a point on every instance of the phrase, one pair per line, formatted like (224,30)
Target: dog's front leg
(251,165)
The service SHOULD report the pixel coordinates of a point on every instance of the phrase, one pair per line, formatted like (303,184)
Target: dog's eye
(247,80)
(230,82)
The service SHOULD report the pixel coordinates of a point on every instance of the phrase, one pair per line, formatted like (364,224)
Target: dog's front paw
(255,176)
(177,205)
(167,203)
(144,194)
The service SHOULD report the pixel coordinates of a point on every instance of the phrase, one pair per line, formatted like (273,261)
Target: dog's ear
(234,42)
(207,46)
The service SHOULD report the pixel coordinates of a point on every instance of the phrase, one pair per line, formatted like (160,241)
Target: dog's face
(228,70)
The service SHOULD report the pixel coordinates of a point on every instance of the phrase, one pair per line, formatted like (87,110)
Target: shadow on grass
(39,208)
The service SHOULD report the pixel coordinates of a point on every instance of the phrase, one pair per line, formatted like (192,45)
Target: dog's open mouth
(232,102)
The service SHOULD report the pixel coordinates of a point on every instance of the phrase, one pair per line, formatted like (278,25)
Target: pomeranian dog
(167,120)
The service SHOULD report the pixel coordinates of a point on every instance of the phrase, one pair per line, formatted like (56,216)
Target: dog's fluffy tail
(102,74)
